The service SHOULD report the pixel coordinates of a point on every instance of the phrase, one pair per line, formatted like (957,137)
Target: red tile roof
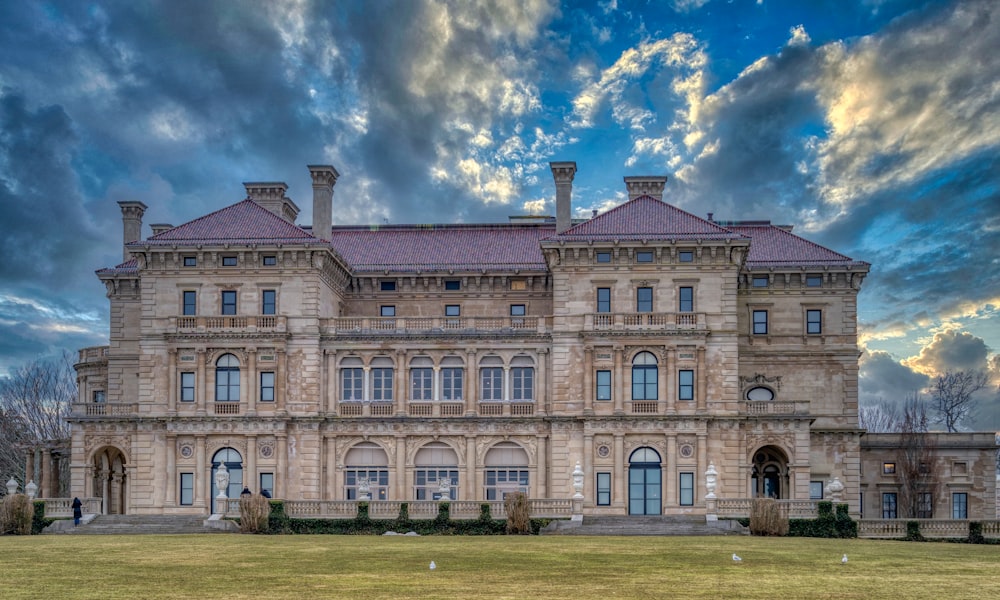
(772,246)
(243,222)
(129,266)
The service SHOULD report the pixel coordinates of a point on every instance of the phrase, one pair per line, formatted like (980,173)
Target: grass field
(218,567)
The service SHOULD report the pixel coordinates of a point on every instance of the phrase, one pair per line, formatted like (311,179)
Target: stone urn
(222,481)
(711,476)
(834,489)
(11,486)
(578,481)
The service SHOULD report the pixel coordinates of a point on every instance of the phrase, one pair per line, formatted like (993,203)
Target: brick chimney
(132,212)
(271,195)
(562,173)
(646,185)
(324,177)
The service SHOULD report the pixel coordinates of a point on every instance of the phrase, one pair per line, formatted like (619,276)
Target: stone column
(29,466)
(663,402)
(330,392)
(331,467)
(253,384)
(469,489)
(282,474)
(201,385)
(202,468)
(170,489)
(471,385)
(279,381)
(588,384)
(542,383)
(589,490)
(541,475)
(250,478)
(619,378)
(701,393)
(621,473)
(702,465)
(45,489)
(670,477)
(171,382)
(670,376)
(400,376)
(400,492)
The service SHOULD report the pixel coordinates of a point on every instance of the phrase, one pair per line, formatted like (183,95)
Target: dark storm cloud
(883,378)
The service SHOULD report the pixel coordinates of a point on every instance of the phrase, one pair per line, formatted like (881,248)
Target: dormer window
(685,256)
(760,281)
(603,257)
(269,261)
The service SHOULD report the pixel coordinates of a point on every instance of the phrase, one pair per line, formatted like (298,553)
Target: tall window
(492,383)
(686,299)
(382,383)
(686,489)
(267,483)
(603,386)
(268,302)
(925,505)
(352,383)
(889,505)
(959,505)
(227,379)
(603,300)
(814,321)
(451,383)
(759,322)
(427,486)
(815,490)
(229,302)
(187,387)
(644,377)
(604,489)
(187,489)
(644,299)
(366,463)
(422,384)
(190,303)
(99,396)
(685,384)
(523,385)
(267,386)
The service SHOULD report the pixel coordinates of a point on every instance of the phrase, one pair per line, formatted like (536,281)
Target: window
(268,302)
(686,489)
(760,394)
(501,481)
(603,257)
(517,310)
(190,303)
(925,505)
(604,489)
(187,387)
(267,386)
(387,310)
(269,260)
(760,322)
(603,385)
(452,310)
(815,490)
(387,286)
(382,383)
(814,321)
(686,299)
(492,383)
(228,261)
(453,285)
(685,256)
(190,261)
(267,483)
(960,505)
(451,383)
(644,299)
(422,384)
(889,505)
(814,280)
(603,300)
(685,384)
(99,396)
(227,379)
(378,482)
(229,302)
(760,281)
(352,384)
(889,468)
(644,377)
(427,483)
(523,389)
(187,489)
(644,256)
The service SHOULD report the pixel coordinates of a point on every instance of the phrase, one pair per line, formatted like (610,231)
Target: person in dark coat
(77,511)
(265,493)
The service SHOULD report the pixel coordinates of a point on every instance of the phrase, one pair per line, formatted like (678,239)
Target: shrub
(766,518)
(278,521)
(255,511)
(826,525)
(913,532)
(38,519)
(16,515)
(518,513)
(404,512)
(444,514)
(976,533)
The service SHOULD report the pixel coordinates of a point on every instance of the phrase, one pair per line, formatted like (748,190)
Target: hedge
(826,525)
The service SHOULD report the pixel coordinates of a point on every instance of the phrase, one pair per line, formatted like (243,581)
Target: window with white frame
(366,465)
(382,374)
(352,377)
(522,374)
(433,464)
(421,383)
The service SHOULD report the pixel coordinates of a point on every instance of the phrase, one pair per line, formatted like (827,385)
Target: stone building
(411,362)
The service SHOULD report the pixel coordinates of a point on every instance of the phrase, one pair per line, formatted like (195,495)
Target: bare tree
(916,468)
(879,418)
(954,396)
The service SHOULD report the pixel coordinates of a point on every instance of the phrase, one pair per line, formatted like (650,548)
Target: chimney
(159,228)
(132,212)
(271,195)
(645,185)
(563,173)
(324,178)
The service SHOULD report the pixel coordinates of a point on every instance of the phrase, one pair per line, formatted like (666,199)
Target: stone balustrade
(774,407)
(739,508)
(354,326)
(552,508)
(929,528)
(56,508)
(93,354)
(105,409)
(230,323)
(644,321)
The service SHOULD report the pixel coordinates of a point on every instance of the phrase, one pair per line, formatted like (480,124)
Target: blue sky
(871,126)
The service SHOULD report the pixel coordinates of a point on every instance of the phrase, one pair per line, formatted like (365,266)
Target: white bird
(736,558)
(843,561)
(433,566)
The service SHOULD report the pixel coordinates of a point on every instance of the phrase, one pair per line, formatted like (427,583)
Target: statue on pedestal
(364,488)
(710,479)
(444,488)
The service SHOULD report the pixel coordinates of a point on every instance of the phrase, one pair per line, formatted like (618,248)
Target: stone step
(644,526)
(134,524)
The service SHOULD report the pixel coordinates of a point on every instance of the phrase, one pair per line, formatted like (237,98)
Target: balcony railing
(63,507)
(228,323)
(739,508)
(930,528)
(643,321)
(540,508)
(771,407)
(93,354)
(347,326)
(226,408)
(436,409)
(105,409)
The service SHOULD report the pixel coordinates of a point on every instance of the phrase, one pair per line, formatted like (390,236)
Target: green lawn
(216,567)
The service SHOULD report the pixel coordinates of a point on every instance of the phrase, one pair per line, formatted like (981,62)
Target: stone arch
(770,473)
(110,480)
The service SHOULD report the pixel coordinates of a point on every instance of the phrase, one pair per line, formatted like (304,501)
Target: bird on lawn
(736,558)
(843,561)
(433,566)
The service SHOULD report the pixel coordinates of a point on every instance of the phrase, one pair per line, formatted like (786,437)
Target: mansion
(464,361)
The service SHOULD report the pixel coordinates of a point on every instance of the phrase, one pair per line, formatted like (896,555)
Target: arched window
(433,463)
(644,377)
(366,469)
(227,379)
(506,470)
(234,465)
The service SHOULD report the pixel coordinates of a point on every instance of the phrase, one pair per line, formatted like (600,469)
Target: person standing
(77,511)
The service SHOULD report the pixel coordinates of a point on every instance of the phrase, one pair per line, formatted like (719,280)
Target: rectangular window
(518,285)
(190,261)
(228,261)
(267,386)
(604,489)
(426,483)
(187,387)
(517,310)
(960,505)
(267,484)
(685,384)
(815,490)
(387,286)
(229,302)
(925,505)
(352,384)
(99,396)
(500,482)
(378,481)
(452,310)
(760,322)
(644,299)
(453,285)
(814,321)
(761,281)
(269,260)
(492,383)
(603,385)
(523,384)
(187,489)
(387,310)
(644,383)
(644,256)
(382,384)
(603,300)
(603,257)
(685,256)
(190,303)
(268,302)
(451,383)
(813,280)
(686,489)
(889,468)
(422,384)
(889,505)
(686,299)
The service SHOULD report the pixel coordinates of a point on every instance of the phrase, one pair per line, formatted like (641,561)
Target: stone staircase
(138,524)
(645,525)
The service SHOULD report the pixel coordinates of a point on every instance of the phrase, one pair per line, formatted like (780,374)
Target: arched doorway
(769,473)
(234,463)
(644,482)
(110,480)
